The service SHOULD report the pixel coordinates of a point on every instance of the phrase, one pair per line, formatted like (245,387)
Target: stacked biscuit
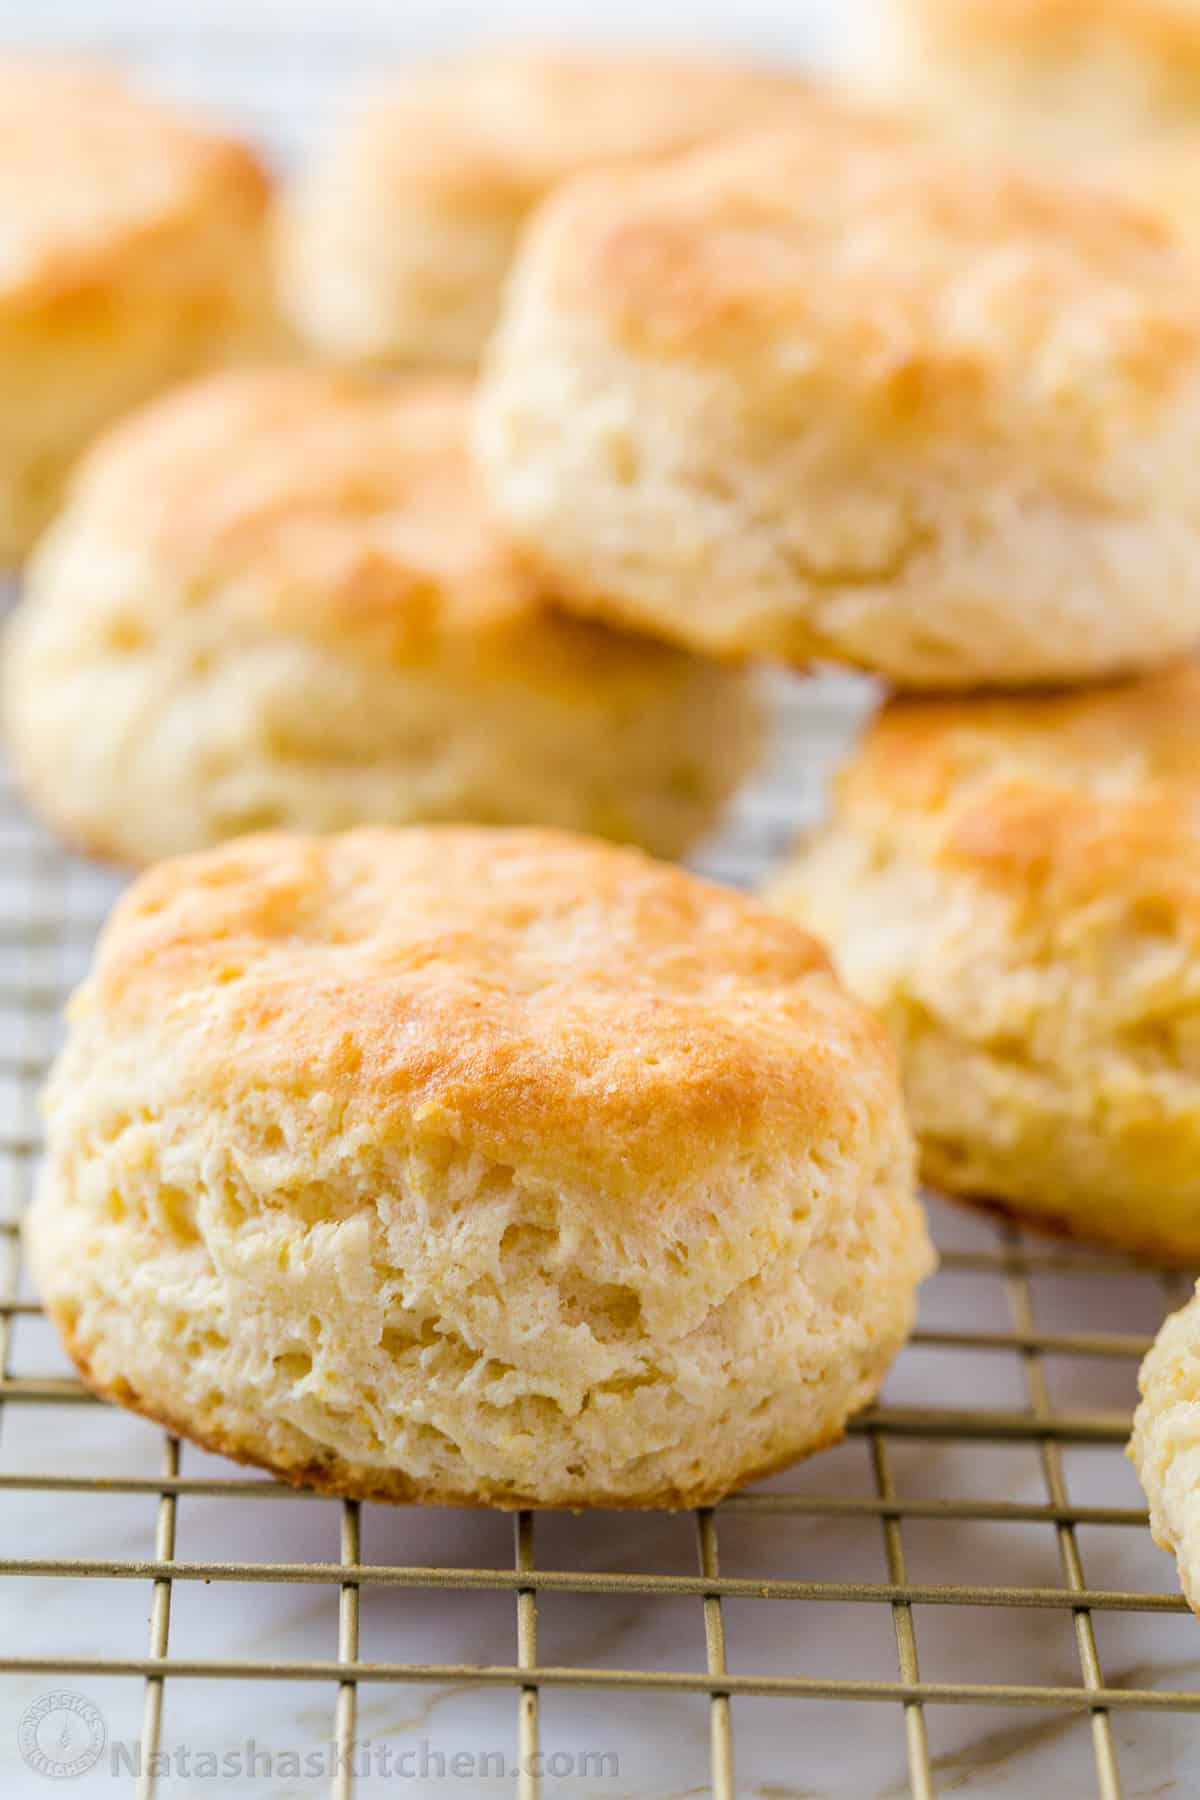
(471,1162)
(818,394)
(412,1145)
(1014,884)
(277,597)
(278,601)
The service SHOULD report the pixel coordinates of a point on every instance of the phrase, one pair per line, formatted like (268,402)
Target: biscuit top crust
(1061,801)
(92,175)
(496,130)
(1163,173)
(580,1013)
(1163,30)
(333,504)
(836,261)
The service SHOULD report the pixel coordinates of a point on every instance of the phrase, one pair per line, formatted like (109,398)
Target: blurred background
(275,67)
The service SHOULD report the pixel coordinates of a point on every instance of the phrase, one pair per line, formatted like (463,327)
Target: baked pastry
(1163,175)
(1014,886)
(274,599)
(1165,1448)
(134,253)
(1049,78)
(396,243)
(821,394)
(478,1166)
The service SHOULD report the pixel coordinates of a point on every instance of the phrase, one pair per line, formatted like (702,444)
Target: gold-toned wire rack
(50,908)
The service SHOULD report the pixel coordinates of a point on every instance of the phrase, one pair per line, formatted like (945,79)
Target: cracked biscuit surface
(478,1166)
(1014,886)
(275,599)
(825,392)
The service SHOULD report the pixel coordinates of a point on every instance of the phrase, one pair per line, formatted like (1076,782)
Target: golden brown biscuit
(274,598)
(132,252)
(1014,886)
(475,1166)
(1048,78)
(396,245)
(1163,175)
(822,394)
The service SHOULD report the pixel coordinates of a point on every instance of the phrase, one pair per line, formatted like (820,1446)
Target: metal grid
(49,908)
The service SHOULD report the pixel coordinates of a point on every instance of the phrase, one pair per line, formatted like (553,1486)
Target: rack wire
(50,907)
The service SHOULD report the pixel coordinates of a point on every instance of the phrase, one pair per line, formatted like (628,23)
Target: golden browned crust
(551,1001)
(395,245)
(478,1166)
(1057,799)
(350,508)
(92,176)
(817,391)
(350,511)
(1014,885)
(1166,33)
(279,598)
(736,251)
(1162,174)
(1049,81)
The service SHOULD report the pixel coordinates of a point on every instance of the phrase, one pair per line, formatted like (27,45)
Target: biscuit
(134,253)
(396,244)
(821,394)
(1161,175)
(274,599)
(1014,886)
(1047,78)
(477,1166)
(1165,1448)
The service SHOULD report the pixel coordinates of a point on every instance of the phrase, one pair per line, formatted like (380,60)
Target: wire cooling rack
(1014,1607)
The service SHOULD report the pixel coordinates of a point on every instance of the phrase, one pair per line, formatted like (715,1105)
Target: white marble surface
(276,69)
